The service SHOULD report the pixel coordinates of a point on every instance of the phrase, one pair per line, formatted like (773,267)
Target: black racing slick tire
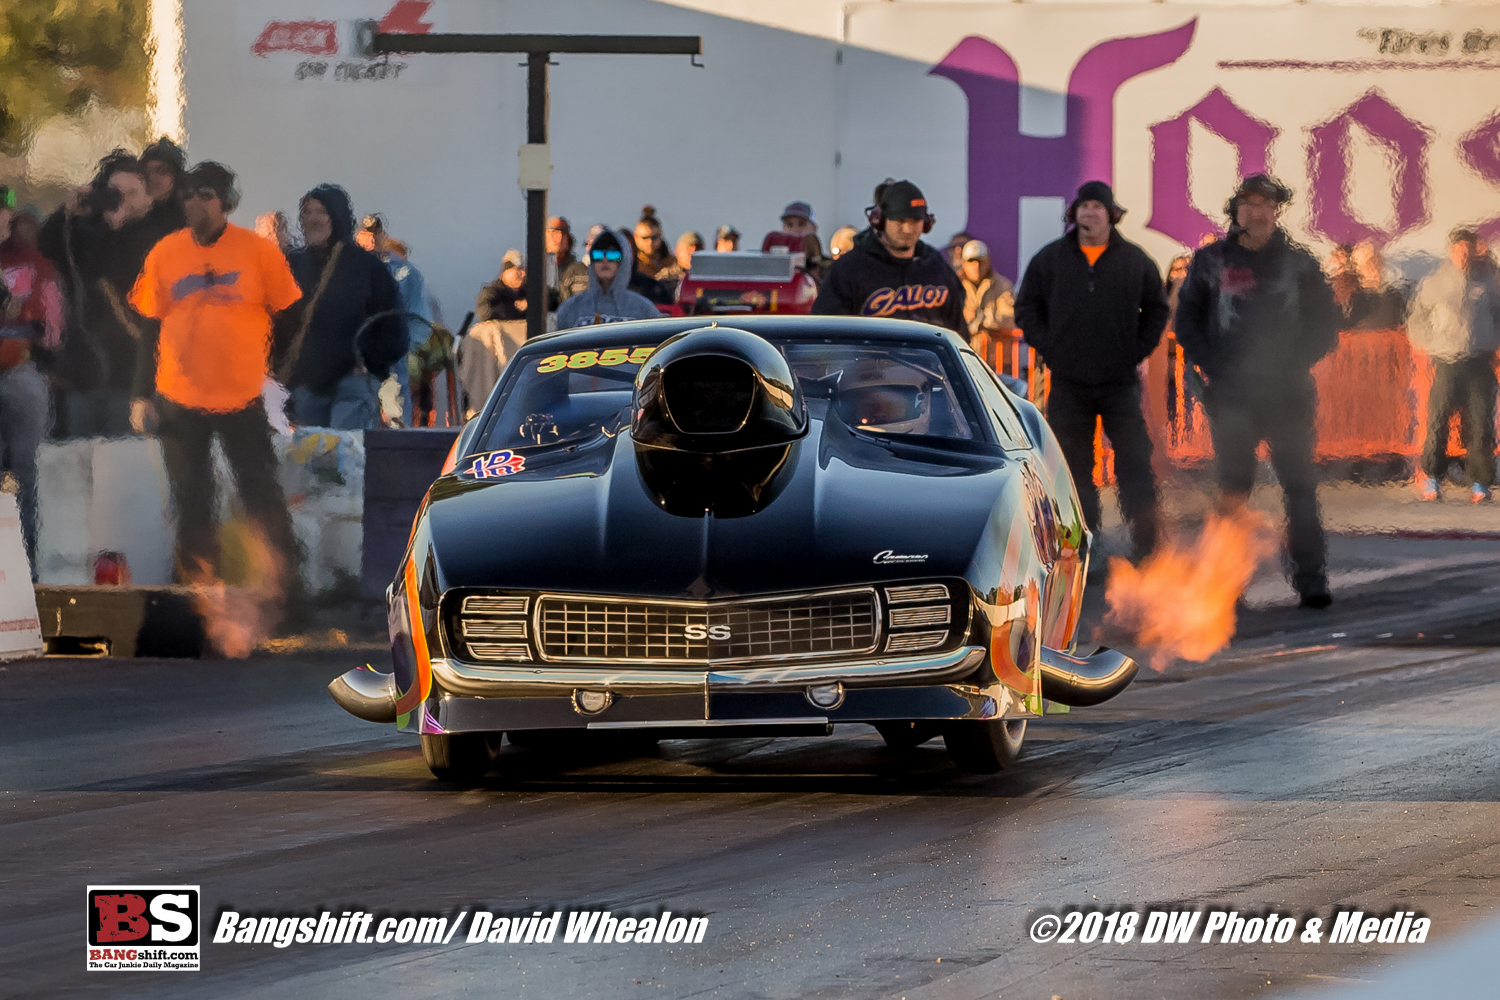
(906,734)
(460,758)
(984,746)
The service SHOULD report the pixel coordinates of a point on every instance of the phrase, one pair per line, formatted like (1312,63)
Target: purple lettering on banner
(1172,210)
(1006,166)
(1481,151)
(1405,142)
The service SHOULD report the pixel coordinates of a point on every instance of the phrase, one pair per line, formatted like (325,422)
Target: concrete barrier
(101,495)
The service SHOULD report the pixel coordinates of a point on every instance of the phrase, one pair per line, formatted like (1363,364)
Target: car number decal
(493,464)
(588,359)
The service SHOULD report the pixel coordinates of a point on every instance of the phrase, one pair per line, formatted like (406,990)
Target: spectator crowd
(136,307)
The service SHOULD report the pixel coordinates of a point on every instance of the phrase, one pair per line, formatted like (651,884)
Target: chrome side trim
(491,680)
(794,720)
(481,604)
(938,614)
(937,667)
(917,594)
(914,642)
(496,680)
(493,628)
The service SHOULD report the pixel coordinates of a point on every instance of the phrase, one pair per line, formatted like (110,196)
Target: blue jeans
(23,421)
(354,404)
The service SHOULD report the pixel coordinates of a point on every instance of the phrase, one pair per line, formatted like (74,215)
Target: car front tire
(984,746)
(460,758)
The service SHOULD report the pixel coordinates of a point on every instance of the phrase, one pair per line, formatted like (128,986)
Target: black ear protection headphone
(877,218)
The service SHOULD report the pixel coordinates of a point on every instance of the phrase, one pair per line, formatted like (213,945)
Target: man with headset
(891,272)
(1092,305)
(1255,313)
(215,288)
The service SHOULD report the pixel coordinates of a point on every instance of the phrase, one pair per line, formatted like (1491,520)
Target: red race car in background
(746,281)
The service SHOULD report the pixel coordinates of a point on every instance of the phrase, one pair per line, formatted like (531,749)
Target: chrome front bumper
(466,697)
(496,680)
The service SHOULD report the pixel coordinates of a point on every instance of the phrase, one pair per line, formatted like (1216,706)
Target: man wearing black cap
(1255,313)
(1092,305)
(890,271)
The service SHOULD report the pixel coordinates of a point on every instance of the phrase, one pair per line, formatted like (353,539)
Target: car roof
(763,325)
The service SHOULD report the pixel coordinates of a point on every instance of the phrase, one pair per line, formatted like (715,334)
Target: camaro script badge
(887,557)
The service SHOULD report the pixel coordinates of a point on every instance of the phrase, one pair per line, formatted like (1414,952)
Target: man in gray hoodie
(608,298)
(1455,318)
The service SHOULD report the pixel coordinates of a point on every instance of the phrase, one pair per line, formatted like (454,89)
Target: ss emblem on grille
(706,631)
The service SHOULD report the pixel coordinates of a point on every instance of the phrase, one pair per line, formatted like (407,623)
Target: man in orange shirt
(216,288)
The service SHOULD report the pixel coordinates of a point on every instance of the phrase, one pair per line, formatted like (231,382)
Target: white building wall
(782,109)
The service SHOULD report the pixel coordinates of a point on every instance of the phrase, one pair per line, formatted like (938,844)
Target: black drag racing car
(683,529)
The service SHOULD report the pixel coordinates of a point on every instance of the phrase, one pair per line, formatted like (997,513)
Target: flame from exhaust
(237,617)
(1180,601)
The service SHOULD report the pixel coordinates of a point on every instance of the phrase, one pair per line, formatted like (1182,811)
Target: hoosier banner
(1384,120)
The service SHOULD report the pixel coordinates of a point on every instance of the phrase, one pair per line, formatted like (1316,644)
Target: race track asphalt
(1344,758)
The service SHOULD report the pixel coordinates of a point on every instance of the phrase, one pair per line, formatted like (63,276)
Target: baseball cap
(976,250)
(559,223)
(512,258)
(1463,234)
(903,200)
(799,210)
(727,232)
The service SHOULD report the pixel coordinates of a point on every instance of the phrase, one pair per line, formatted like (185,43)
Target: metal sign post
(536,156)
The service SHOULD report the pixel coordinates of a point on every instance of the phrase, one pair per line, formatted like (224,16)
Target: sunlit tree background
(73,85)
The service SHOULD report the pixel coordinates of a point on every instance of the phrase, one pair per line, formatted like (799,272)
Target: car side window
(1007,422)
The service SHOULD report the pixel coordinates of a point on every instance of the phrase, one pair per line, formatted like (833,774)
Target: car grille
(835,623)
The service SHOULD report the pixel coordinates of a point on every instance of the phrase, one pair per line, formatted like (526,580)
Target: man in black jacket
(890,271)
(1092,305)
(348,330)
(1254,315)
(98,242)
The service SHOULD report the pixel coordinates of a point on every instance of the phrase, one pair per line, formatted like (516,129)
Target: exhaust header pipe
(1080,681)
(366,693)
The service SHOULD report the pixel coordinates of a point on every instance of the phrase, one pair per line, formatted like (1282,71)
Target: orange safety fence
(1372,402)
(1372,399)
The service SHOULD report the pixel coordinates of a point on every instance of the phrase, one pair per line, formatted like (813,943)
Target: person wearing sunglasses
(608,298)
(215,288)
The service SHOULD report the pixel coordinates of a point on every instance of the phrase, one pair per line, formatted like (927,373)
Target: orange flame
(238,617)
(1180,602)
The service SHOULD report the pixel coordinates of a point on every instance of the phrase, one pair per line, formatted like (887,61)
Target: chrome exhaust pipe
(366,693)
(1079,681)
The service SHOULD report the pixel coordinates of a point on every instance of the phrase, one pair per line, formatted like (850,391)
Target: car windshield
(875,386)
(882,387)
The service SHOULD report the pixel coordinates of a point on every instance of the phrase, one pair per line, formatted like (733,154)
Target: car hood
(584,522)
